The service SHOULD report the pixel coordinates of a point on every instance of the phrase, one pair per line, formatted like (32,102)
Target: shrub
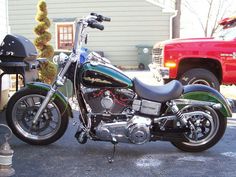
(48,70)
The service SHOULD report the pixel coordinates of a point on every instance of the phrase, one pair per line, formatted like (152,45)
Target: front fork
(57,83)
(74,57)
(45,103)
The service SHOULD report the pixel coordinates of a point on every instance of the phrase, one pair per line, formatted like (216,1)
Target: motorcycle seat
(163,93)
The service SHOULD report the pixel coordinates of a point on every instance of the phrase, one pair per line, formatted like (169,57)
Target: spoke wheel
(48,123)
(21,109)
(209,129)
(206,127)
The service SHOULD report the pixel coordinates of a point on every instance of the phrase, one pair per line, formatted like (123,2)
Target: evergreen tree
(47,69)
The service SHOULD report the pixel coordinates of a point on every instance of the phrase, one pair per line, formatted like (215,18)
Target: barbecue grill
(17,56)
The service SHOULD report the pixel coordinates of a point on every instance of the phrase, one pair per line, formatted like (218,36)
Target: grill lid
(17,48)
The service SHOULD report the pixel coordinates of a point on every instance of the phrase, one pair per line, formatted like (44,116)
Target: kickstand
(114,142)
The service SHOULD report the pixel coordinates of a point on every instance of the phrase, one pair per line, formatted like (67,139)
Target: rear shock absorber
(172,105)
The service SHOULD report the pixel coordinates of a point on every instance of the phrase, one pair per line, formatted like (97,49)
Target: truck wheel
(200,76)
(141,66)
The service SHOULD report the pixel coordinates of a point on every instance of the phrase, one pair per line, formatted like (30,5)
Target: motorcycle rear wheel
(20,112)
(211,131)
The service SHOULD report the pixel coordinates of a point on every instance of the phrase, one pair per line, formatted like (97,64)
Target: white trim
(7,18)
(156,3)
(165,9)
(56,35)
(6,82)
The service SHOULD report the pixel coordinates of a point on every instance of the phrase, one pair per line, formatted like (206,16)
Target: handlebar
(101,18)
(95,24)
(94,19)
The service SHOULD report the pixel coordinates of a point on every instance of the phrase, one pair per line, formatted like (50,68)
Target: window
(65,36)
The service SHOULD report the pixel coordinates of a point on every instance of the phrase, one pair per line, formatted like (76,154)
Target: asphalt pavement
(67,158)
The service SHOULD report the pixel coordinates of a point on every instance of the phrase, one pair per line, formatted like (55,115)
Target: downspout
(175,19)
(171,23)
(166,10)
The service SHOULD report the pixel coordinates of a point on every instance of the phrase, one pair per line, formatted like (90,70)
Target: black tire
(141,66)
(11,106)
(185,146)
(200,76)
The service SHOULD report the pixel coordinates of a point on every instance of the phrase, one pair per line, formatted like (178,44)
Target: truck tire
(141,66)
(200,76)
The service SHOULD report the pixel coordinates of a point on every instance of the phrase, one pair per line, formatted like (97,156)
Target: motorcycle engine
(111,118)
(108,100)
(136,130)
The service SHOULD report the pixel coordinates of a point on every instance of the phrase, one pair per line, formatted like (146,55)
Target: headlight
(60,59)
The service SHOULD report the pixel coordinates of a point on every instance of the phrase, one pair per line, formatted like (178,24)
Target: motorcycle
(115,108)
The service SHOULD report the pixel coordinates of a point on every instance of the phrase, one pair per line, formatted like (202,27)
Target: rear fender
(57,95)
(208,94)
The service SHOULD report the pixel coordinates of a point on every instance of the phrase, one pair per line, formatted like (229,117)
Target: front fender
(57,95)
(205,93)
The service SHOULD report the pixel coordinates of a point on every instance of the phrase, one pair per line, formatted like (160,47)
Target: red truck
(209,61)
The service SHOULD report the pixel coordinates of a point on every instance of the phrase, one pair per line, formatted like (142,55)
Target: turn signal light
(170,65)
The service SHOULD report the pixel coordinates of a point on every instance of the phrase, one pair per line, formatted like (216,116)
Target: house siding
(133,23)
(3,31)
(3,19)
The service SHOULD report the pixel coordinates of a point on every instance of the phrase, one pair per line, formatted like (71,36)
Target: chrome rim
(206,126)
(23,114)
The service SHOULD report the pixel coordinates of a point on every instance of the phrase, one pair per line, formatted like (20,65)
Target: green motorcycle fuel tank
(99,75)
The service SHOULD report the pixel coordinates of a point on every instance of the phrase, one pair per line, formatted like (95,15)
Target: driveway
(67,158)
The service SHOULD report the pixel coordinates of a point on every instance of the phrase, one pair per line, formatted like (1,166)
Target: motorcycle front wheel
(210,129)
(20,113)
